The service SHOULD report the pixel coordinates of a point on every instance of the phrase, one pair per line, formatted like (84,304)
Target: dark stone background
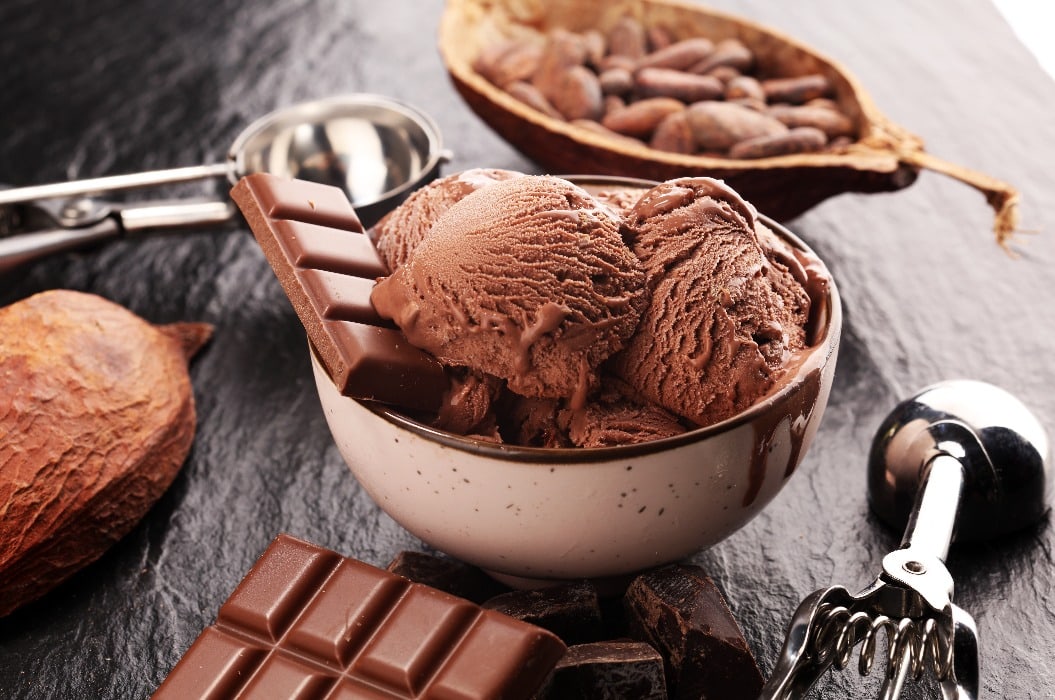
(106,87)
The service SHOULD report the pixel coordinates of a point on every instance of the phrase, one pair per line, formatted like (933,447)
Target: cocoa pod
(532,97)
(796,90)
(829,121)
(687,87)
(716,126)
(727,52)
(627,38)
(674,135)
(803,139)
(681,55)
(642,117)
(96,418)
(578,94)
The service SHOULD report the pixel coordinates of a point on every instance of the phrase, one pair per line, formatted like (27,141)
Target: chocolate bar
(682,614)
(447,574)
(308,623)
(326,264)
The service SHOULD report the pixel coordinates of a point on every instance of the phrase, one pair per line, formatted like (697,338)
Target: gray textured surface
(90,88)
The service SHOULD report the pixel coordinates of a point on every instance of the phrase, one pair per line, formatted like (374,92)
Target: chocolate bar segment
(307,623)
(326,264)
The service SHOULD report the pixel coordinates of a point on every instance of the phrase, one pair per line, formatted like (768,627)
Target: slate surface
(105,87)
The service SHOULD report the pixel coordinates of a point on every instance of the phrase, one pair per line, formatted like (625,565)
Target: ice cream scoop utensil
(374,148)
(977,464)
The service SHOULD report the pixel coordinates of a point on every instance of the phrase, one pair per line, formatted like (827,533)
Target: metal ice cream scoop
(960,459)
(374,148)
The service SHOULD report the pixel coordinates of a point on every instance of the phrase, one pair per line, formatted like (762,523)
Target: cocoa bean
(831,122)
(798,89)
(616,81)
(599,128)
(596,46)
(96,418)
(744,86)
(532,97)
(751,103)
(687,87)
(578,94)
(658,37)
(825,103)
(674,135)
(614,61)
(562,51)
(627,38)
(724,73)
(510,62)
(727,52)
(642,117)
(679,56)
(803,139)
(716,126)
(613,103)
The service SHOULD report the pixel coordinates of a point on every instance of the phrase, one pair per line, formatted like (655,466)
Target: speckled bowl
(533,514)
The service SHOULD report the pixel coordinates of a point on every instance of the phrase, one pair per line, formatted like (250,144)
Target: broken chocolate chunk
(571,611)
(446,574)
(614,670)
(679,611)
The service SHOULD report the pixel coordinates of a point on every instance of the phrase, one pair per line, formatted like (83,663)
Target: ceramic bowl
(528,515)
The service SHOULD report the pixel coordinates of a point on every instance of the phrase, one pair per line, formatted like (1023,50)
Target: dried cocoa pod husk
(883,157)
(96,418)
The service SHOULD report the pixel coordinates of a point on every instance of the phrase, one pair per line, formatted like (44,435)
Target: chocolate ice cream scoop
(399,233)
(526,279)
(724,318)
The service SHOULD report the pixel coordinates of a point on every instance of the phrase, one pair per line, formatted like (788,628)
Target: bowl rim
(827,344)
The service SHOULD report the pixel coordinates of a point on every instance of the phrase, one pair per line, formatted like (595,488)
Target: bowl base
(607,586)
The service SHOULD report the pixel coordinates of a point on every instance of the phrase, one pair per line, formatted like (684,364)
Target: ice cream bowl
(529,515)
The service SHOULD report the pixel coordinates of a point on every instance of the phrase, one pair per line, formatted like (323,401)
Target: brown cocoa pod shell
(96,418)
(642,117)
(803,139)
(884,156)
(717,126)
(687,87)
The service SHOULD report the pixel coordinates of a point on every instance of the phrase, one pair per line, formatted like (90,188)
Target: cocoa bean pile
(691,96)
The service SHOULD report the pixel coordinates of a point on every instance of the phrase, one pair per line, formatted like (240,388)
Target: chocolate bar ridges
(312,238)
(307,623)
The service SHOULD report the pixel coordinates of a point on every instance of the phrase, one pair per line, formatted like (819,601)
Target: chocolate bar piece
(571,610)
(326,264)
(307,623)
(448,575)
(682,614)
(608,671)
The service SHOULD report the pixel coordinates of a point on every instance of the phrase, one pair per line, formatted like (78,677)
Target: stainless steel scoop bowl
(375,148)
